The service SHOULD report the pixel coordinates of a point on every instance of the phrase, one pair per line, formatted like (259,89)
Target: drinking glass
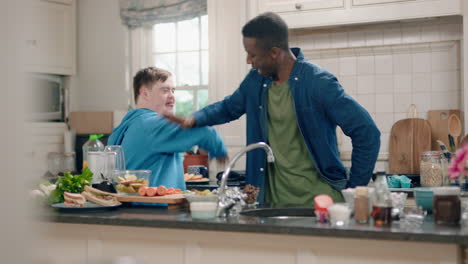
(115,159)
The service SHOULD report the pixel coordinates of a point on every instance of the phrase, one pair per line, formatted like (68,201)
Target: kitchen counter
(160,217)
(172,236)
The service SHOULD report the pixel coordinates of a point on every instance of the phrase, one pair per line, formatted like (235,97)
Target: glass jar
(431,169)
(446,205)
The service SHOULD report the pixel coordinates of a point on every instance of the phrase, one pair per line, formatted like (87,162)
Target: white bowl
(201,198)
(203,210)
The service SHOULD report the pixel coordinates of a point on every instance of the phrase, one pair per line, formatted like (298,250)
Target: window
(182,49)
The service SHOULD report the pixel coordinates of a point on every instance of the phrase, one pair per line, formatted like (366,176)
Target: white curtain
(139,13)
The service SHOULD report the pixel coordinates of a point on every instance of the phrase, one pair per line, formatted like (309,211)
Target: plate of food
(195,178)
(89,200)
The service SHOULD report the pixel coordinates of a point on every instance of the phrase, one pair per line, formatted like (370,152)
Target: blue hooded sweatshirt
(151,142)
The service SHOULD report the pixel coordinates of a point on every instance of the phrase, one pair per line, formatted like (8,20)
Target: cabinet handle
(298,6)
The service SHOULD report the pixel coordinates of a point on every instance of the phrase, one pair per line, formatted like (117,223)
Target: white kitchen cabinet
(50,41)
(319,13)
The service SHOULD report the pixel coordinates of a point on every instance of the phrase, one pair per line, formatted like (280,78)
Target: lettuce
(70,183)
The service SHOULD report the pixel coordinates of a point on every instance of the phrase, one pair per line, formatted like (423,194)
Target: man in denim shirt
(294,106)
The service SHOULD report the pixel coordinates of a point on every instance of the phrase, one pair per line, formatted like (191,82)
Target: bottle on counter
(447,205)
(93,144)
(361,205)
(382,204)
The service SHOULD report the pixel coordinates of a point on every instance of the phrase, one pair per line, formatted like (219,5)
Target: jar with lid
(446,205)
(361,205)
(431,169)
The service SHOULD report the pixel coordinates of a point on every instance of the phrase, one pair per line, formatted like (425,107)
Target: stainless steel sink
(280,213)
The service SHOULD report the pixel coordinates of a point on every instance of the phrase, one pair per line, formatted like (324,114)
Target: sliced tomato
(162,190)
(170,191)
(142,190)
(151,191)
(178,191)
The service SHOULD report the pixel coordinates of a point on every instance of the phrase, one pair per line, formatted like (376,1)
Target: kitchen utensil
(408,139)
(439,125)
(451,143)
(447,154)
(454,127)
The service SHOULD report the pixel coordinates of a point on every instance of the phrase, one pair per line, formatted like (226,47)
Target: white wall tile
(440,61)
(444,81)
(400,116)
(330,64)
(383,84)
(422,82)
(349,84)
(384,103)
(365,65)
(348,66)
(401,102)
(367,101)
(392,36)
(444,100)
(411,34)
(384,122)
(421,62)
(322,41)
(402,63)
(450,31)
(346,145)
(374,37)
(430,33)
(365,84)
(402,83)
(422,101)
(356,38)
(339,39)
(383,64)
(306,41)
(384,140)
(454,58)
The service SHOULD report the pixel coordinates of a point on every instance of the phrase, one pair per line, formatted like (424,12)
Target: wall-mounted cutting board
(439,124)
(408,139)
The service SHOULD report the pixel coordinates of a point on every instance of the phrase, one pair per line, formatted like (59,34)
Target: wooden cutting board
(439,124)
(408,139)
(173,200)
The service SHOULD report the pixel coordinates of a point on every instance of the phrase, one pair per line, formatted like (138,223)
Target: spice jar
(361,205)
(431,169)
(446,205)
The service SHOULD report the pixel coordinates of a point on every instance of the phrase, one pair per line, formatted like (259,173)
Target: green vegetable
(70,183)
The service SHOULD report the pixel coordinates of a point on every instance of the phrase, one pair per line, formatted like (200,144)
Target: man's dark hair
(148,76)
(269,29)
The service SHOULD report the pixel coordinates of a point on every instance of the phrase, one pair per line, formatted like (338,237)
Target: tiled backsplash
(388,67)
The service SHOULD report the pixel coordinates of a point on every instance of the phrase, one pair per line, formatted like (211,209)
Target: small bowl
(127,182)
(424,197)
(203,210)
(201,198)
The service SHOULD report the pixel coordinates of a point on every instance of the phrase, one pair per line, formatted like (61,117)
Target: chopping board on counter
(408,139)
(173,200)
(439,124)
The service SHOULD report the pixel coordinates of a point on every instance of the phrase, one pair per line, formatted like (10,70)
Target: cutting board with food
(173,197)
(438,119)
(408,139)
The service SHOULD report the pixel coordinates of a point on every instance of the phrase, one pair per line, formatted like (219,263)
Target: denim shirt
(320,104)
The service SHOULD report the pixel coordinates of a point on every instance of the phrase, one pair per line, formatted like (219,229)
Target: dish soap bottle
(93,144)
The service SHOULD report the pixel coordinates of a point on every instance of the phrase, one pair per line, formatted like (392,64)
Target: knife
(447,154)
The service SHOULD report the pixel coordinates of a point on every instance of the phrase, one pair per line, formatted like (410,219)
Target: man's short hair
(270,29)
(147,77)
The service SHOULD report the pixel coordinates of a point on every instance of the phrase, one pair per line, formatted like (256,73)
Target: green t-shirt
(292,178)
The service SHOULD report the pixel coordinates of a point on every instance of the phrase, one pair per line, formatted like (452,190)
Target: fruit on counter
(130,184)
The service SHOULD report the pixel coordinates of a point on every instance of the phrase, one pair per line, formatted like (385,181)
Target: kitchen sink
(280,213)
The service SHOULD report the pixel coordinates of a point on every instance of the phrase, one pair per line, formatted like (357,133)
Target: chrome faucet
(223,206)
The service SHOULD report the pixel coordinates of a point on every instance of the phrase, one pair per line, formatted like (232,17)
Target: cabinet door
(373,2)
(50,42)
(288,6)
